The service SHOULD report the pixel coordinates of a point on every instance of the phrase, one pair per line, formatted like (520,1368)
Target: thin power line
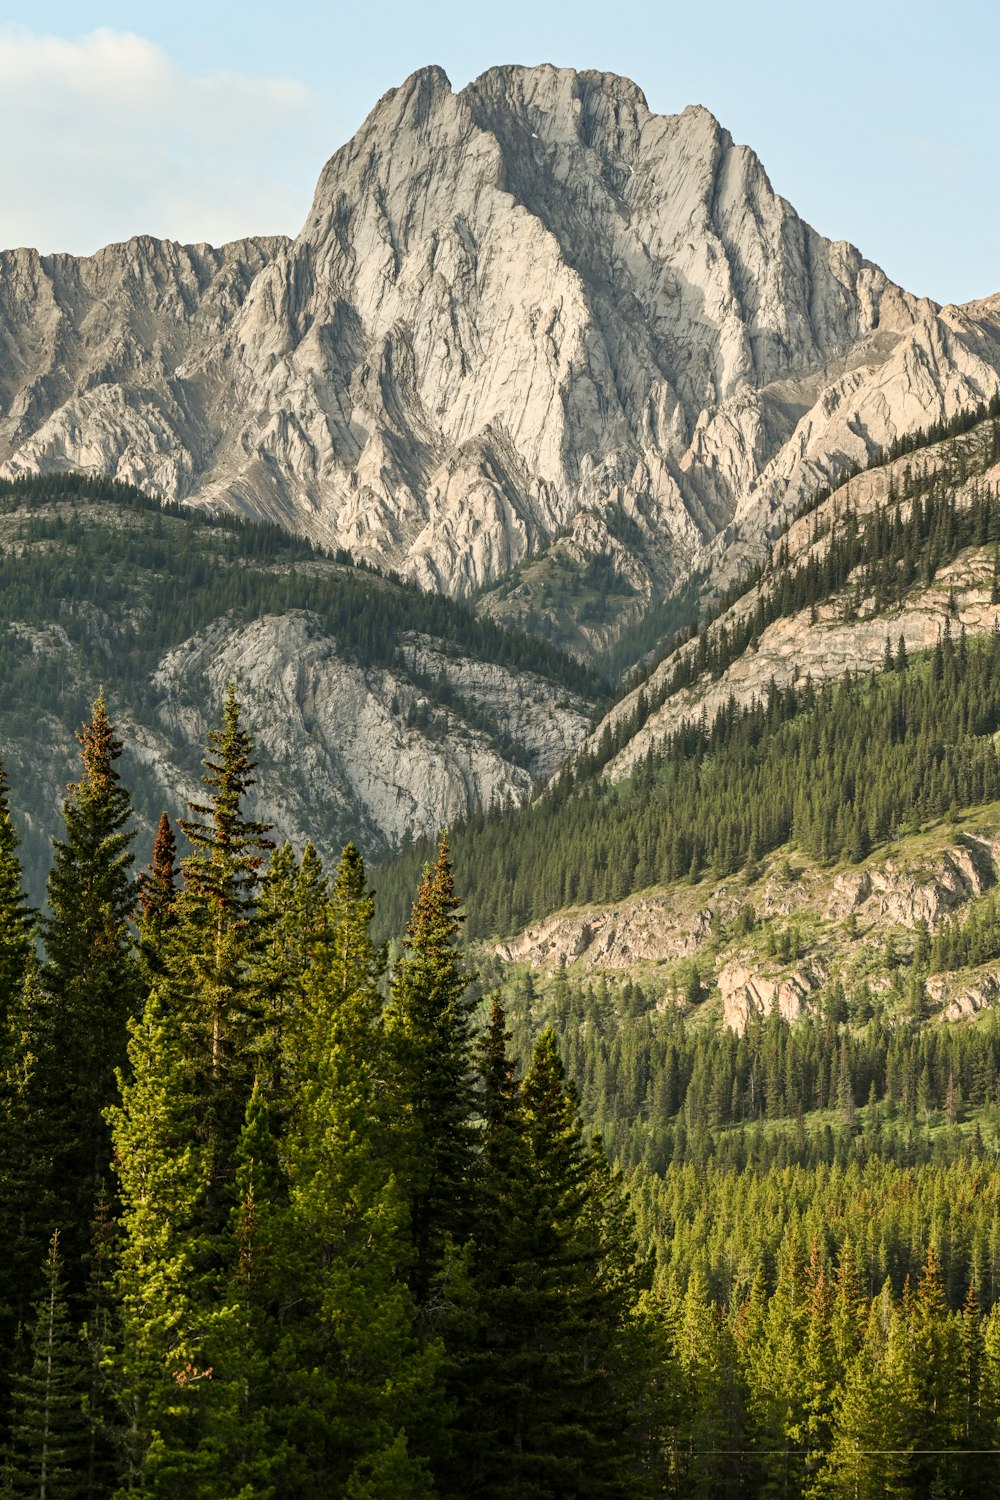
(853,1452)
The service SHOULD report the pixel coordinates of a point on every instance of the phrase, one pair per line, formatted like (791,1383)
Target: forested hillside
(277,1222)
(836,766)
(834,773)
(292,1213)
(100,586)
(769,946)
(545,1047)
(280,1220)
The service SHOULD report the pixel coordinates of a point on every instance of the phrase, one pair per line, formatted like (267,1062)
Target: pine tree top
(101,748)
(229,848)
(435,916)
(157,883)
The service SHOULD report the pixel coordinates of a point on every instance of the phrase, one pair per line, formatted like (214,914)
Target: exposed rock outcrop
(927,892)
(961,996)
(823,643)
(334,744)
(529,309)
(644,928)
(747,991)
(785,938)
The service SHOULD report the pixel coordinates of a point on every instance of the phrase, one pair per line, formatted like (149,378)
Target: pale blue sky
(878,121)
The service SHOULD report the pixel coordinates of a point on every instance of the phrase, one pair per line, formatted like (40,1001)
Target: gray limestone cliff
(526,311)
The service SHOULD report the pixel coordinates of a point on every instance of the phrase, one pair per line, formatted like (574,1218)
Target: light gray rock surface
(532,308)
(748,991)
(842,634)
(332,739)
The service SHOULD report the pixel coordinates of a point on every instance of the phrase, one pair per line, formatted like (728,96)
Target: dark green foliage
(429,1031)
(47,1452)
(157,894)
(362,1401)
(267,1342)
(36,1133)
(216,947)
(15,918)
(551,1372)
(974,939)
(834,772)
(91,978)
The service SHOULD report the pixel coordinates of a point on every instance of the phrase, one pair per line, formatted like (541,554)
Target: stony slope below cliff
(791,931)
(530,315)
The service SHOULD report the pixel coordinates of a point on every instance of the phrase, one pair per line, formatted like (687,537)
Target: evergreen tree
(211,964)
(47,1453)
(361,1402)
(711,1424)
(168,1261)
(91,976)
(158,896)
(15,918)
(874,1418)
(35,1122)
(178,1136)
(556,1356)
(429,1032)
(294,914)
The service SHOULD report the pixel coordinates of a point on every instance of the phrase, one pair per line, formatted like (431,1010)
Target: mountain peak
(531,312)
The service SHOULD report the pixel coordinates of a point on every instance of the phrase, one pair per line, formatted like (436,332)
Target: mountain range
(534,344)
(557,484)
(571,364)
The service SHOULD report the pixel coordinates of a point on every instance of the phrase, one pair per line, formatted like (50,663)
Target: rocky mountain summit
(528,315)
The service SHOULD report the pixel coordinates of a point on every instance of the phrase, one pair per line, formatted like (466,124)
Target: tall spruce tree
(91,977)
(35,1122)
(178,1136)
(169,1255)
(429,1029)
(294,915)
(362,1402)
(48,1445)
(27,1054)
(219,936)
(15,917)
(157,914)
(555,1358)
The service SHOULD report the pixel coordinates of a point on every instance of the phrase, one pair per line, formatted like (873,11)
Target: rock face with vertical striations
(526,311)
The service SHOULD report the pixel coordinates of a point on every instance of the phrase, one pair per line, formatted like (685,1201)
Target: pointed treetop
(157,883)
(434,915)
(546,1094)
(501,1090)
(218,829)
(349,881)
(101,748)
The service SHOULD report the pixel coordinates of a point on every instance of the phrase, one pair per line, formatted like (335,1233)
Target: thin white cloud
(107,136)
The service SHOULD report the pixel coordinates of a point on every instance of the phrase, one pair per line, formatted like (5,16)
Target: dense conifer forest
(835,771)
(93,543)
(278,1221)
(282,1218)
(295,1203)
